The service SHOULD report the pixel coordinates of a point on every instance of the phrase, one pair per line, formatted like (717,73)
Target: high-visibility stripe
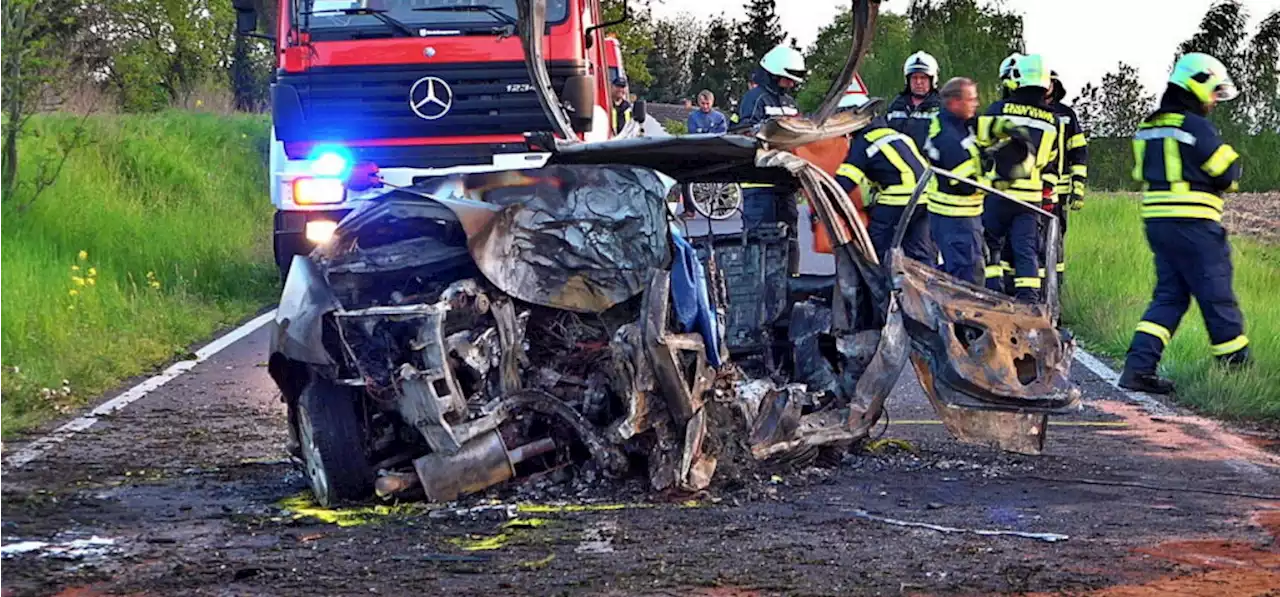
(1006,266)
(1220,160)
(985,124)
(994,271)
(896,199)
(755,185)
(1026,283)
(1077,141)
(853,173)
(1167,132)
(1197,198)
(1155,329)
(956,206)
(1081,170)
(1042,272)
(907,173)
(1166,119)
(1029,122)
(1139,153)
(1229,346)
(1182,211)
(1062,267)
(1173,162)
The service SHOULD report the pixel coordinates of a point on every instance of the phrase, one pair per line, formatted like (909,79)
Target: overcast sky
(1081,39)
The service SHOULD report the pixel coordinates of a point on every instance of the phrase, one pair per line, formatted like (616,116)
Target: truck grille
(372,102)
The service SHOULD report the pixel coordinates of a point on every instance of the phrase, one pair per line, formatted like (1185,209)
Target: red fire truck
(419,88)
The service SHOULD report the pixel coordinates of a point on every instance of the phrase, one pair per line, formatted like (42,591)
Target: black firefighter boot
(1149,383)
(1239,359)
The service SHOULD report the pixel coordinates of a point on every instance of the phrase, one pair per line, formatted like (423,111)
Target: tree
(967,39)
(1115,108)
(1222,31)
(26,69)
(635,36)
(881,68)
(162,49)
(758,32)
(1260,83)
(713,64)
(675,42)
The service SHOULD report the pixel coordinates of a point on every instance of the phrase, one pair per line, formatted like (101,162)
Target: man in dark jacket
(955,208)
(1025,126)
(1185,168)
(886,164)
(911,112)
(621,107)
(1065,181)
(777,75)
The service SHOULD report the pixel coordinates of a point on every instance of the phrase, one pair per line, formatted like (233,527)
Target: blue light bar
(331,161)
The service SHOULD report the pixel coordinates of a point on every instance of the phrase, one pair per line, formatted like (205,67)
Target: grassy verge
(1109,282)
(155,235)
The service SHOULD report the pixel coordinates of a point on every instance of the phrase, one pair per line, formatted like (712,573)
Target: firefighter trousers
(769,204)
(1003,223)
(1193,259)
(960,242)
(916,241)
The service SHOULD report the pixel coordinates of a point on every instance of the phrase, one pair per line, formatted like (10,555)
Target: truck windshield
(345,19)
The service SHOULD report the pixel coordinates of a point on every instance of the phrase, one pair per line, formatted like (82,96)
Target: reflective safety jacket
(1024,111)
(884,162)
(1070,171)
(1184,166)
(913,120)
(621,115)
(766,101)
(952,145)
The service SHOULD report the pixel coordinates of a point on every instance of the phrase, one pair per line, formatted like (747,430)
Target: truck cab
(413,89)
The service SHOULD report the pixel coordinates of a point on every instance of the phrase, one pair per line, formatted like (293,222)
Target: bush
(1108,285)
(156,234)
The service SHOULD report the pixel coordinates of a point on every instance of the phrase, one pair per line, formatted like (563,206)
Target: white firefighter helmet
(1006,69)
(921,62)
(855,95)
(784,61)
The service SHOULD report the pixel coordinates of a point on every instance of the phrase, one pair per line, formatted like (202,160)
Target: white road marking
(1109,375)
(39,447)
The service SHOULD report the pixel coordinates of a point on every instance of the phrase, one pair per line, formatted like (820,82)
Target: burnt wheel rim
(312,459)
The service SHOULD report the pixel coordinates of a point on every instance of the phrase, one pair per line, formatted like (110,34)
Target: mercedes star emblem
(430,98)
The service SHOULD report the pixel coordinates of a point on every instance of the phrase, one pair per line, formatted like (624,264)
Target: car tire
(331,439)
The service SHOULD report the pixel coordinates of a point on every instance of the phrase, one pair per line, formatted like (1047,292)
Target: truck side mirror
(638,112)
(579,97)
(246,22)
(247,19)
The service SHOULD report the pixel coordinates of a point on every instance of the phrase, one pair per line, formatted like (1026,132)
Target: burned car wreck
(471,329)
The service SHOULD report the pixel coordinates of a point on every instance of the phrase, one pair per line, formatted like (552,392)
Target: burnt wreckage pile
(475,328)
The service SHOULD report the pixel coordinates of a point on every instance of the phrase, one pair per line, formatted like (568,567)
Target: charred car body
(470,329)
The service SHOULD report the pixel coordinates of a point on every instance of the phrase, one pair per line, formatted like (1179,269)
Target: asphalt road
(186,492)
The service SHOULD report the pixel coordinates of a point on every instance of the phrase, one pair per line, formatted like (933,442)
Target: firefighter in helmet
(1185,168)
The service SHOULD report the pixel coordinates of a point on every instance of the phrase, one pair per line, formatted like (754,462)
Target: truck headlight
(312,191)
(321,231)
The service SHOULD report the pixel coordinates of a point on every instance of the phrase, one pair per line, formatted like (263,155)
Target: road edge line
(38,447)
(1109,375)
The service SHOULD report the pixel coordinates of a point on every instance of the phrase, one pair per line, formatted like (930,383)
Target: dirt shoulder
(188,488)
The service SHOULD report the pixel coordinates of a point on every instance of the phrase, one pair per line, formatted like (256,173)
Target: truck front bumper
(296,233)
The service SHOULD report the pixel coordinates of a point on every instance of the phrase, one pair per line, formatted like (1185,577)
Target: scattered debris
(75,549)
(1047,537)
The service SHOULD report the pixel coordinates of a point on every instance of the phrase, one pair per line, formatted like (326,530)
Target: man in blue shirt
(707,119)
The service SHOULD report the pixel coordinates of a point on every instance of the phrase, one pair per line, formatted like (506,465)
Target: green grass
(181,196)
(1111,163)
(1110,277)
